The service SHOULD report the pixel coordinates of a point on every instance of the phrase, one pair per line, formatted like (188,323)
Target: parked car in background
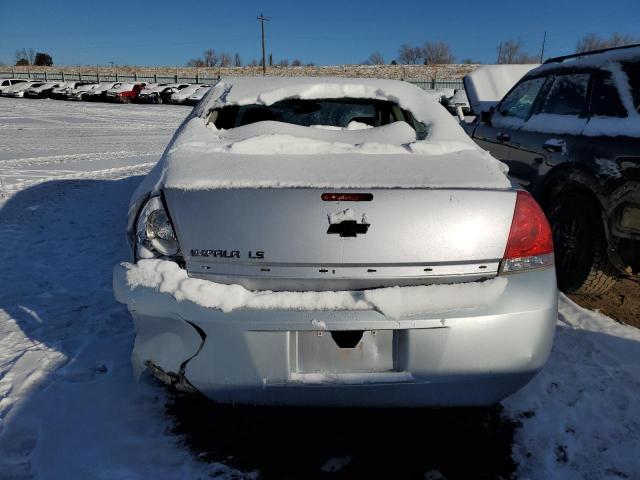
(160,93)
(18,90)
(198,95)
(124,92)
(8,82)
(41,91)
(570,132)
(99,93)
(80,92)
(60,92)
(274,264)
(182,95)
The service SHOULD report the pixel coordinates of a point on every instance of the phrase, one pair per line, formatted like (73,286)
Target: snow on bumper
(473,355)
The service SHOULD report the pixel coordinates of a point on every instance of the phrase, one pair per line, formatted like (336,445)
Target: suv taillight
(530,243)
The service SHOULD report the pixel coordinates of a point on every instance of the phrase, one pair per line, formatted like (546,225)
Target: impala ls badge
(254,255)
(345,223)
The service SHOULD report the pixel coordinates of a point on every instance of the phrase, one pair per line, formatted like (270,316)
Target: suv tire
(582,264)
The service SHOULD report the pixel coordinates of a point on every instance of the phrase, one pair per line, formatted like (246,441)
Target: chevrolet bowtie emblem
(348,228)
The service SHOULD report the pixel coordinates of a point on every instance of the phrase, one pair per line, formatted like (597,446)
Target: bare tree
(409,55)
(225,60)
(591,42)
(296,63)
(375,58)
(254,63)
(510,51)
(210,58)
(436,53)
(43,59)
(22,57)
(31,55)
(620,40)
(195,62)
(283,63)
(236,60)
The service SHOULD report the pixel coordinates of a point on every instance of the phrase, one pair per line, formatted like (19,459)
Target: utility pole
(264,63)
(544,40)
(499,53)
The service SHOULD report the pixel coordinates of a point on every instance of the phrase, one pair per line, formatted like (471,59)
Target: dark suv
(570,132)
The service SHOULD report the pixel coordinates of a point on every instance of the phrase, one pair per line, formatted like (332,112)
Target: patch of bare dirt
(621,303)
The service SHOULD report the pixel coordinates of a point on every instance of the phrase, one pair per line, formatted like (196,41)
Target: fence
(426,84)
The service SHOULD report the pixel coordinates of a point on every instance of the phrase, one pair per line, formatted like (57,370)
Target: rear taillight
(530,243)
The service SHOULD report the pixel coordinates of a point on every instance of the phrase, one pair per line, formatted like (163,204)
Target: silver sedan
(328,241)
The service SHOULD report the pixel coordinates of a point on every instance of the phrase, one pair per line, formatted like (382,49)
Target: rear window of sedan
(332,113)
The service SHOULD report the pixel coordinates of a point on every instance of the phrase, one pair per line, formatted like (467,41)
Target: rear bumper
(470,357)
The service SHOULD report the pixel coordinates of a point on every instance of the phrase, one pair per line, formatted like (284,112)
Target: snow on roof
(596,60)
(487,85)
(279,155)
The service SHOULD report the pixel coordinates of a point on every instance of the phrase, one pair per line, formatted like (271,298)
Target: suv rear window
(325,112)
(633,72)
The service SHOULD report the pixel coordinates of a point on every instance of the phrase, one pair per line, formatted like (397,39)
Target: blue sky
(330,32)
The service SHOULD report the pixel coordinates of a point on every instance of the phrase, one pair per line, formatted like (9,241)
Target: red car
(125,92)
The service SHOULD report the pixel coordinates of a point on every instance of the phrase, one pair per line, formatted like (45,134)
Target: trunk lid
(293,239)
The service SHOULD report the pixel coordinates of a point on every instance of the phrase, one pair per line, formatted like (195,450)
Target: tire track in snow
(73,157)
(108,173)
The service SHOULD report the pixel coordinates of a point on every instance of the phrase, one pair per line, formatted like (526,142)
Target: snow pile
(273,154)
(276,138)
(581,415)
(395,302)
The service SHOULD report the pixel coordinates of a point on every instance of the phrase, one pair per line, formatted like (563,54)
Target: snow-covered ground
(69,407)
